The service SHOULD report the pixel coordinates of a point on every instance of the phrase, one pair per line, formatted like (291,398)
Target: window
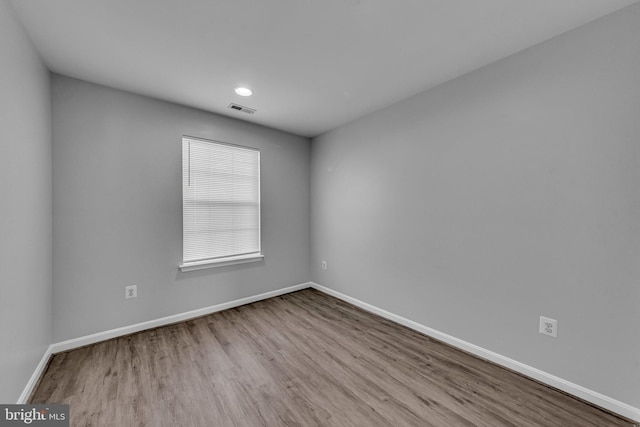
(220,204)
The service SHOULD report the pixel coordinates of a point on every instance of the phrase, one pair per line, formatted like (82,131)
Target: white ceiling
(313,64)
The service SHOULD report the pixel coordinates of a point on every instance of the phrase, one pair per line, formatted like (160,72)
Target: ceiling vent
(241,108)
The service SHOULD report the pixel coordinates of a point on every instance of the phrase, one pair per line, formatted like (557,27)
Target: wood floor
(302,359)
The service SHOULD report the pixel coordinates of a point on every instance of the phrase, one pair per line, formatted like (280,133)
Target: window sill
(221,262)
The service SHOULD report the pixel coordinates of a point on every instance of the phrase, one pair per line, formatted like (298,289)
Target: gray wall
(25,207)
(117,210)
(506,194)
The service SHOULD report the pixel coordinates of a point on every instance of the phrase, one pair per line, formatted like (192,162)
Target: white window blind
(221,201)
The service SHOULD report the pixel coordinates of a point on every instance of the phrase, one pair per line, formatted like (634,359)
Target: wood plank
(303,359)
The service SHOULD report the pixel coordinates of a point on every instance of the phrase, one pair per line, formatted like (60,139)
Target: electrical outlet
(131,291)
(324,264)
(548,326)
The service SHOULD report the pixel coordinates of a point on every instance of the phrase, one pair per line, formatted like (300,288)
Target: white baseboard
(546,378)
(126,330)
(583,393)
(35,377)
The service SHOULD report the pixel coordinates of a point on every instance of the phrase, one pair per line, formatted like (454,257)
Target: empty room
(320,213)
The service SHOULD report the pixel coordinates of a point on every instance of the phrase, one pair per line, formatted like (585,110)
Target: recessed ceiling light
(243,91)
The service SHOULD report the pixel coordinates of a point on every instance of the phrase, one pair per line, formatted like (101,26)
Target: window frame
(198,264)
